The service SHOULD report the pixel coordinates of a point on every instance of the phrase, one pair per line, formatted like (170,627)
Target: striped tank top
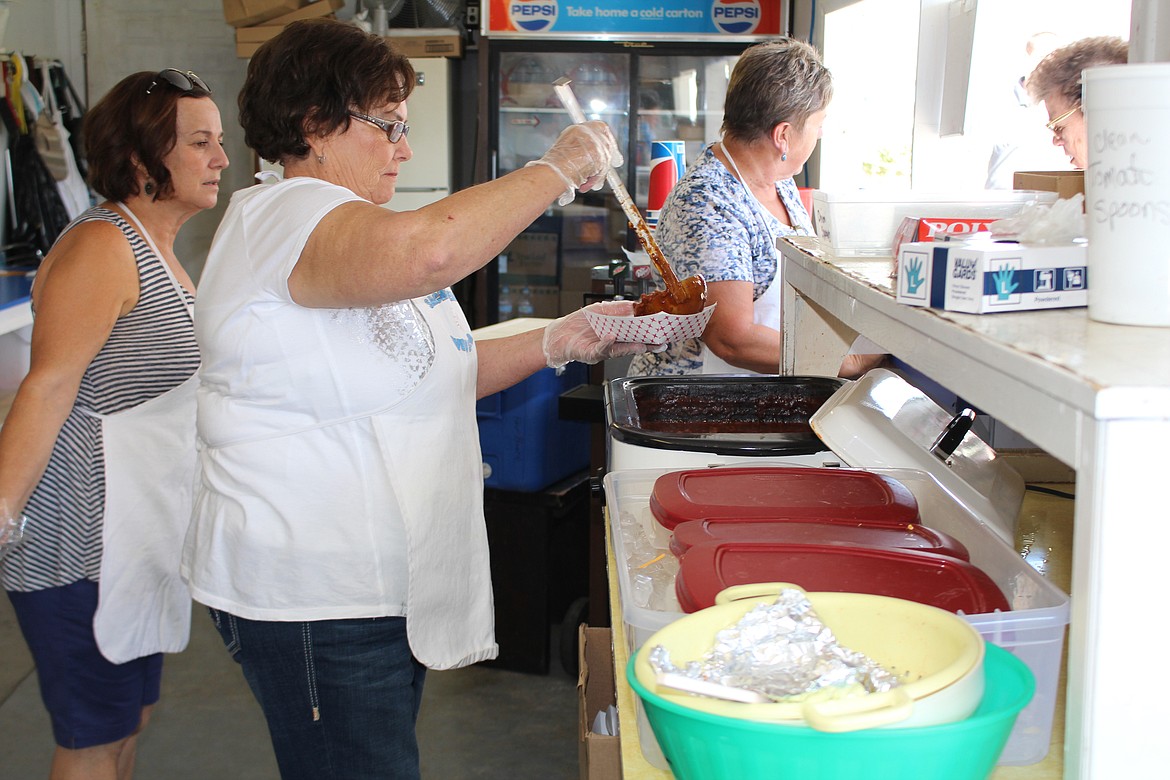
(150,351)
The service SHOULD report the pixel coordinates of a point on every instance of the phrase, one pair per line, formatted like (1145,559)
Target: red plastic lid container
(915,575)
(910,536)
(781,493)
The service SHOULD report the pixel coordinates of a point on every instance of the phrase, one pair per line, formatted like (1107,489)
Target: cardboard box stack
(427,42)
(258,20)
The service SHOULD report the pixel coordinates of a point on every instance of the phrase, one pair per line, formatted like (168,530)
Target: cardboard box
(243,13)
(533,254)
(928,228)
(434,42)
(599,756)
(983,276)
(310,11)
(545,299)
(248,39)
(1064,183)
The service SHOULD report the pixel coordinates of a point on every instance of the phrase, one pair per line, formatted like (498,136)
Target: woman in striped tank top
(98,450)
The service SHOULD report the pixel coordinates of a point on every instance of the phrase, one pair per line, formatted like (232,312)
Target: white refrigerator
(426,177)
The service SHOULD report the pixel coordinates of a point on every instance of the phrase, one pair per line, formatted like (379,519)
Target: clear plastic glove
(580,157)
(11,530)
(572,338)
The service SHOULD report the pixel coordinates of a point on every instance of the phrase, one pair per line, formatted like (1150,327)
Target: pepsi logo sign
(532,15)
(736,17)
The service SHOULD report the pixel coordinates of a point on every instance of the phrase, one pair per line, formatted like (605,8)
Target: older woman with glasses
(338,536)
(1056,82)
(98,451)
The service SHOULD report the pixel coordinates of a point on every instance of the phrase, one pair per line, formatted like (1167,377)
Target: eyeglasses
(395,131)
(182,80)
(1054,125)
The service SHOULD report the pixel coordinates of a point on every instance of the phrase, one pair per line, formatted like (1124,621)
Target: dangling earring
(148,188)
(783,156)
(321,159)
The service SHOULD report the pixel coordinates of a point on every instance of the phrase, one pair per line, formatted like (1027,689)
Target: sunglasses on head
(395,131)
(182,80)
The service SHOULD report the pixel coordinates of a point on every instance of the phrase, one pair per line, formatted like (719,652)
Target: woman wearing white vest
(338,532)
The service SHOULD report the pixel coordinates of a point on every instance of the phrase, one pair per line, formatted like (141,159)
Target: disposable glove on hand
(580,157)
(571,337)
(11,529)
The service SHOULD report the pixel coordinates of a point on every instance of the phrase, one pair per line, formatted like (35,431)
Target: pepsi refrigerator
(654,71)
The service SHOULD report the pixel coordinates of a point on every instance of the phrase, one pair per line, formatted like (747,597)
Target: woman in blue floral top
(723,217)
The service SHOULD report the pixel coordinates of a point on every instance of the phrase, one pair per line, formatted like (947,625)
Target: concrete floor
(477,722)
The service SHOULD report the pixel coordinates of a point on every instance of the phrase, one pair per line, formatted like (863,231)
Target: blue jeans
(341,696)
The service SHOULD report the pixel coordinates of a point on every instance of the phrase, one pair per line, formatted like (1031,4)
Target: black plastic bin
(539,558)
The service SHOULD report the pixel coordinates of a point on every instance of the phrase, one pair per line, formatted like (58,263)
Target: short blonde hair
(773,82)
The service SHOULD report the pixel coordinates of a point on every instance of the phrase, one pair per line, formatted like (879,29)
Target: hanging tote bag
(72,112)
(57,153)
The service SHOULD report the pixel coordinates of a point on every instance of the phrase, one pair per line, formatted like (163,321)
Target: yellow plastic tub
(939,655)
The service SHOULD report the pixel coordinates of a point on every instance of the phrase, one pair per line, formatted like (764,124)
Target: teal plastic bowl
(702,746)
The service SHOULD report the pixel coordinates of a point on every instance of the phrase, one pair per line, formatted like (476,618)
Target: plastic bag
(51,136)
(1062,222)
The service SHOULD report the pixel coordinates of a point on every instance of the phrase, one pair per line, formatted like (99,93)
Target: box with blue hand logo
(982,276)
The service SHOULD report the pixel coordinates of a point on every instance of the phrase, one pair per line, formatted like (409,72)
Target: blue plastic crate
(525,445)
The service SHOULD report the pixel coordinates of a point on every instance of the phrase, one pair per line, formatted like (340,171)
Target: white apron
(449,607)
(149,455)
(765,309)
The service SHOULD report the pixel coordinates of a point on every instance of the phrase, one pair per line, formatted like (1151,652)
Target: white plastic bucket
(1127,193)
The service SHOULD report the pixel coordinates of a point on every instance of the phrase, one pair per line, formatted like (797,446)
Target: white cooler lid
(882,421)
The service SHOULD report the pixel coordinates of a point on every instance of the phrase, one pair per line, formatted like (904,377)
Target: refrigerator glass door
(531,117)
(546,271)
(670,92)
(679,98)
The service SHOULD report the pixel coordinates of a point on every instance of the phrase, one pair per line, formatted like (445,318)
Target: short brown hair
(1060,72)
(306,80)
(774,82)
(127,127)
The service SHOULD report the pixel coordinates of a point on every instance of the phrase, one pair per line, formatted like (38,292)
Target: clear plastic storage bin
(863,222)
(1033,630)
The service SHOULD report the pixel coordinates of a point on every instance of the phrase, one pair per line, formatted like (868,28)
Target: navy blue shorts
(90,700)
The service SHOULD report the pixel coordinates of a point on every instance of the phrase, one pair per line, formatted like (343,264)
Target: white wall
(131,35)
(124,36)
(48,28)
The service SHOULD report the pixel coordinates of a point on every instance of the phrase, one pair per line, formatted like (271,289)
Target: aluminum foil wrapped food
(783,651)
